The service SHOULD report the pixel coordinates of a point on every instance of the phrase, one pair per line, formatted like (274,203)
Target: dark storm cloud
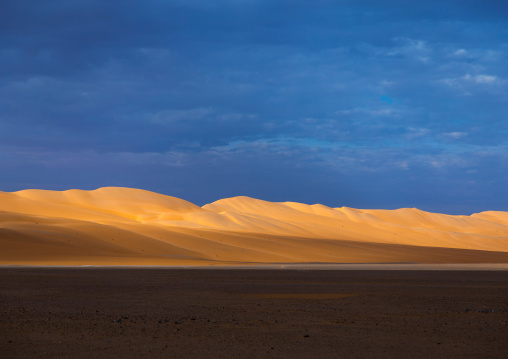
(366,102)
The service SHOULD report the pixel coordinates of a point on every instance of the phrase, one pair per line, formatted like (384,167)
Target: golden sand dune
(131,226)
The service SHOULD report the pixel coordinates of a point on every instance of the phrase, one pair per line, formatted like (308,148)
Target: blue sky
(364,104)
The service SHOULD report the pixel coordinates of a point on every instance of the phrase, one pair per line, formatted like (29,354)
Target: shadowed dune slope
(131,226)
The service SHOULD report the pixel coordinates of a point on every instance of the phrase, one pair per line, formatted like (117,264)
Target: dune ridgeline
(123,226)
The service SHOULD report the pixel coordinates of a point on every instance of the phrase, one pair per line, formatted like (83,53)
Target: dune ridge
(115,225)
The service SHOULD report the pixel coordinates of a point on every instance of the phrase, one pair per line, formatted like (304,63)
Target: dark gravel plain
(192,313)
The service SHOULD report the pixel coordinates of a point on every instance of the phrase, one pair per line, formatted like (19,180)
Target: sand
(168,313)
(124,226)
(120,272)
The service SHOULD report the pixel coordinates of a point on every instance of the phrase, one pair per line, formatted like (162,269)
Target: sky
(357,103)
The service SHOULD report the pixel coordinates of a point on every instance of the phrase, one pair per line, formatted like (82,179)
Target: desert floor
(233,313)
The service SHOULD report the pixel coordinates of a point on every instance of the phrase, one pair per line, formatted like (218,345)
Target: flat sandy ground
(192,313)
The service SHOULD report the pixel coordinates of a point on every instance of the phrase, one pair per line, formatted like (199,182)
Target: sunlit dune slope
(128,203)
(131,226)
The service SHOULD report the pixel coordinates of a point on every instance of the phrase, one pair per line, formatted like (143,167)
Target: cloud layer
(339,102)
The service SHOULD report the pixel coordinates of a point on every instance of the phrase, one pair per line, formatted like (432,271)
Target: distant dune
(131,226)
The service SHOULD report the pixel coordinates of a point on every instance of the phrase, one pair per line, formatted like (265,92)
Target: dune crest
(115,225)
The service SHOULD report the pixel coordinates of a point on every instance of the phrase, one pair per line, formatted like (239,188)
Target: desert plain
(222,313)
(120,272)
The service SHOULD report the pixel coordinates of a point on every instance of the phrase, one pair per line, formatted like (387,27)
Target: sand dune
(131,226)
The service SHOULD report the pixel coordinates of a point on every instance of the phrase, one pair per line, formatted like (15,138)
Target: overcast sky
(365,104)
